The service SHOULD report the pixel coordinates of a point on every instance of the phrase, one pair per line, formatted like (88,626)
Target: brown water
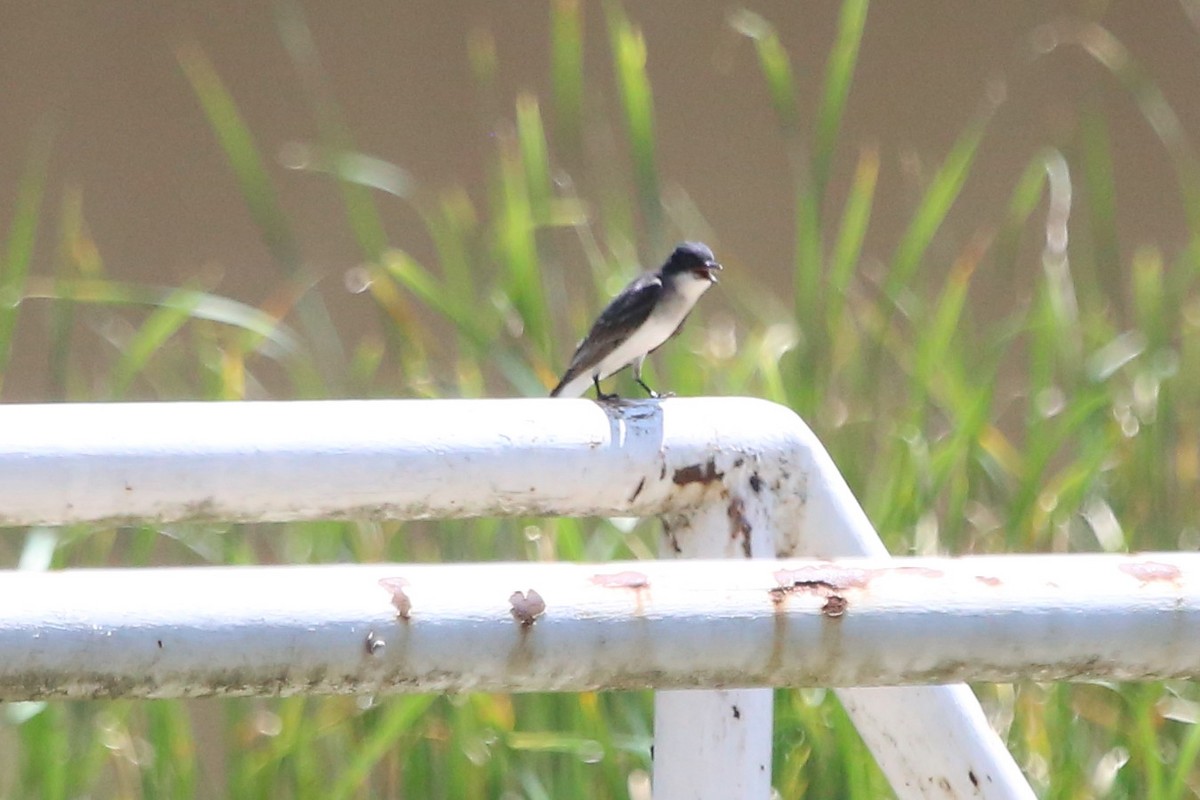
(163,205)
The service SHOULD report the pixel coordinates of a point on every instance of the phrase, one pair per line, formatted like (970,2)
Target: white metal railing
(731,478)
(582,627)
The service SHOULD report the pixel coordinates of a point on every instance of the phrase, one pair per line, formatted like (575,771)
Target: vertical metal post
(716,744)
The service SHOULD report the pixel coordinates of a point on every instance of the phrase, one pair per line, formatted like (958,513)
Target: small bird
(647,312)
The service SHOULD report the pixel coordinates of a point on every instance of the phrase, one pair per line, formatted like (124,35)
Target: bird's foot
(601,397)
(653,394)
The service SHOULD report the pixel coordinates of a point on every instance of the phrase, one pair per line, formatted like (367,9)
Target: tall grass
(1067,423)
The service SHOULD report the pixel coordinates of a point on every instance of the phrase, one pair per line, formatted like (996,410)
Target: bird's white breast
(666,317)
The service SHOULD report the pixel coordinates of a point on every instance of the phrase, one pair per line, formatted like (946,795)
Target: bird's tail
(572,385)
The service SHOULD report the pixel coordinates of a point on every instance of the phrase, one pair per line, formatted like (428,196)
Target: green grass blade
(158,328)
(531,137)
(773,63)
(1110,52)
(776,68)
(18,246)
(637,108)
(1026,195)
(941,328)
(839,75)
(399,717)
(847,249)
(939,196)
(1100,206)
(335,137)
(279,341)
(240,149)
(566,74)
(516,243)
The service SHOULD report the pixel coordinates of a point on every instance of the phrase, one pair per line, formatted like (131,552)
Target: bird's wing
(623,316)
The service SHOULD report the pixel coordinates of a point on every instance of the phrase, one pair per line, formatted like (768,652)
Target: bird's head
(694,258)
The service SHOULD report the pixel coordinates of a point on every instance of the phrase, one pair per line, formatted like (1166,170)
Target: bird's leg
(601,396)
(637,376)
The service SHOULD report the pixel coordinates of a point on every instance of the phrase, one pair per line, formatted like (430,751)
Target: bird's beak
(711,268)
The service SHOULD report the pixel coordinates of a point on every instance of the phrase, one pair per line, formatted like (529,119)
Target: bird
(647,312)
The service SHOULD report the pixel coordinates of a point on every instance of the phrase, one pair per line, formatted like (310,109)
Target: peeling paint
(832,577)
(697,473)
(622,580)
(740,526)
(1149,571)
(828,582)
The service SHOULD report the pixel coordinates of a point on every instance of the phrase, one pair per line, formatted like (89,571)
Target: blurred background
(103,85)
(962,240)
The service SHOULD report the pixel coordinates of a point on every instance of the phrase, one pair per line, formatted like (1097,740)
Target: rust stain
(526,607)
(836,578)
(835,606)
(399,598)
(739,526)
(1147,571)
(697,473)
(622,580)
(988,579)
(829,582)
(637,490)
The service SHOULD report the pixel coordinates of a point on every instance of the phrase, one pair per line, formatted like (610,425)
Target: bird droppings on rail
(374,645)
(1149,571)
(739,526)
(697,473)
(399,599)
(526,607)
